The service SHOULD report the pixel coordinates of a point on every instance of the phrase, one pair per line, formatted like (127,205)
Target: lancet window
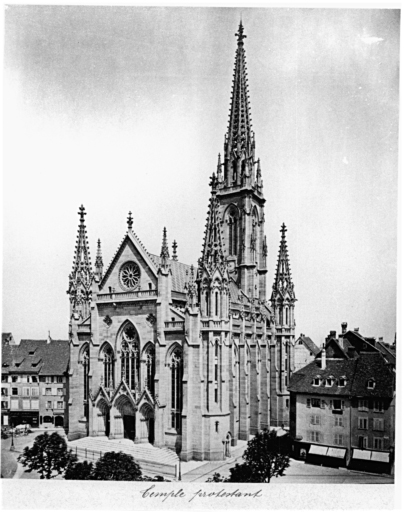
(233,234)
(85,361)
(176,364)
(130,361)
(150,369)
(108,361)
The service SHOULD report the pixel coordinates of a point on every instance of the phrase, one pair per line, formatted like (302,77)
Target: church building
(189,357)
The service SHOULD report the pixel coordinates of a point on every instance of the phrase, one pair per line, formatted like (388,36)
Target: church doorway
(147,423)
(59,421)
(129,427)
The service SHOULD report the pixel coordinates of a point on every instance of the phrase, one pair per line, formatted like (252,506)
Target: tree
(79,471)
(48,455)
(116,466)
(266,456)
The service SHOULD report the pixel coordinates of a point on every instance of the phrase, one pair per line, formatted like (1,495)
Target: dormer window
(342,382)
(371,384)
(329,381)
(316,381)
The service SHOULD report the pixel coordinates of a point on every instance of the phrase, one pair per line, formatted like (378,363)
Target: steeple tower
(239,189)
(283,294)
(99,265)
(81,277)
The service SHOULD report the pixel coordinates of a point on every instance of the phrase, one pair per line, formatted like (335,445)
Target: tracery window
(150,369)
(108,361)
(233,234)
(130,361)
(176,389)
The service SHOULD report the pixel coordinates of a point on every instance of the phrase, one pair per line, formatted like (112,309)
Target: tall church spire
(99,265)
(81,277)
(283,284)
(239,146)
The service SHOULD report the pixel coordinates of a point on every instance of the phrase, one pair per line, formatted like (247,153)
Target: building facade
(34,383)
(304,352)
(189,357)
(343,405)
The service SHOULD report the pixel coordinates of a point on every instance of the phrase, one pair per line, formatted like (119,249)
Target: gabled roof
(130,236)
(36,356)
(388,351)
(309,344)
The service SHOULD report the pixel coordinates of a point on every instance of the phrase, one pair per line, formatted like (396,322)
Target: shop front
(24,418)
(326,456)
(370,461)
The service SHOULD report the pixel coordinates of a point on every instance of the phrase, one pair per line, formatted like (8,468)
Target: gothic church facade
(191,358)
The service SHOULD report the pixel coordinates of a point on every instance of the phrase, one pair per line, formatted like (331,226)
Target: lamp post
(12,447)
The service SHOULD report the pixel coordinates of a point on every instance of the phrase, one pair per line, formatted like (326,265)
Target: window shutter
(330,404)
(43,391)
(323,404)
(55,404)
(359,422)
(308,404)
(342,404)
(54,391)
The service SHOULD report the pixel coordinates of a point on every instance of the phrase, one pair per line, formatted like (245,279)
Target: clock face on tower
(129,275)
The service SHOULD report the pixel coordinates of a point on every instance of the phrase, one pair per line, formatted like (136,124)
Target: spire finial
(175,245)
(82,212)
(98,261)
(130,221)
(283,231)
(164,255)
(240,34)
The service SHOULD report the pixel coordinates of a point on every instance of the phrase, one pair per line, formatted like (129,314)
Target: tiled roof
(36,356)
(388,352)
(178,271)
(358,371)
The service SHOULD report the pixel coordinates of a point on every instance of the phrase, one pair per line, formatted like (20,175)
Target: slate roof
(36,356)
(178,271)
(357,371)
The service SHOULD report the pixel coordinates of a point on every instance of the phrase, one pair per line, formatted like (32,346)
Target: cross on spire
(130,221)
(240,34)
(175,245)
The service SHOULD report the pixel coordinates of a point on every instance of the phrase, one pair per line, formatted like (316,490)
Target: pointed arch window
(130,361)
(287,316)
(150,369)
(85,361)
(233,234)
(108,361)
(176,364)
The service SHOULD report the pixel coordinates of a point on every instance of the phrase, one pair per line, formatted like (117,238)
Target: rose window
(130,275)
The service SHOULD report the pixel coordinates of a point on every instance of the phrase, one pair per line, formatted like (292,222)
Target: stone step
(151,459)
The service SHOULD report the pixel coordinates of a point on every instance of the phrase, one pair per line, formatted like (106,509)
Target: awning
(336,452)
(318,450)
(380,457)
(361,454)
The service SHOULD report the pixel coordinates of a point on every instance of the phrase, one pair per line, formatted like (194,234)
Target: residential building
(34,383)
(305,351)
(191,358)
(343,405)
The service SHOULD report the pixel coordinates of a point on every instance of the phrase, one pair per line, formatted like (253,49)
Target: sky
(125,109)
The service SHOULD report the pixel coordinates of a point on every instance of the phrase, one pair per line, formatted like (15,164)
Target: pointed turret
(164,254)
(212,252)
(283,277)
(81,277)
(99,265)
(191,288)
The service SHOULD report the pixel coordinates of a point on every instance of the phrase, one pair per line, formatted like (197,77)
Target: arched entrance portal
(128,417)
(147,424)
(103,418)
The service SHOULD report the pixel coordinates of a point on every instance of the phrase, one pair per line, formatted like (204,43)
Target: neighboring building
(343,405)
(305,351)
(34,383)
(189,358)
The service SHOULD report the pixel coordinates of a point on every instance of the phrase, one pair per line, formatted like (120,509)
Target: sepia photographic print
(200,257)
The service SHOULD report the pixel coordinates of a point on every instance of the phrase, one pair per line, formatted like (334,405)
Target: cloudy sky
(125,108)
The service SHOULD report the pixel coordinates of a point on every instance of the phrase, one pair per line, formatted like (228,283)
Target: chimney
(323,359)
(356,329)
(344,327)
(49,338)
(341,340)
(381,339)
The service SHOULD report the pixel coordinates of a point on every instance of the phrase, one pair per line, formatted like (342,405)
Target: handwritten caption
(181,494)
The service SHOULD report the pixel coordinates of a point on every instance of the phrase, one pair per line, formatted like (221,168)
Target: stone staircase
(153,461)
